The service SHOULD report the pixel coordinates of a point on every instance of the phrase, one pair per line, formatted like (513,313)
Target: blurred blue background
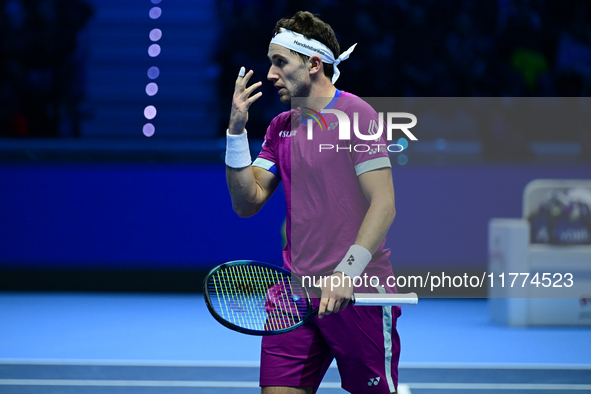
(89,202)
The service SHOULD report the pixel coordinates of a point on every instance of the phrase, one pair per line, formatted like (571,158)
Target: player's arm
(378,189)
(250,187)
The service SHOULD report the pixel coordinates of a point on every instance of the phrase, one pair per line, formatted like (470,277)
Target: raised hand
(242,101)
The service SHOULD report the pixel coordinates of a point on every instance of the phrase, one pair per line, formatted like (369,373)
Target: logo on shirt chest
(287,133)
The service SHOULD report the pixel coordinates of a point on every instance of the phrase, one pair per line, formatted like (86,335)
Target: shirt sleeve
(369,155)
(267,158)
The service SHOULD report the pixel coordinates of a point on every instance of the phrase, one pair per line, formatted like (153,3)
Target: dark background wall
(178,218)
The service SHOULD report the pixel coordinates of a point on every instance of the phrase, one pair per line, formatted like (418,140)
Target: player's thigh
(298,358)
(286,390)
(366,345)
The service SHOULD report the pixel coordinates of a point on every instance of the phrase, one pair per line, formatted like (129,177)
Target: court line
(256,364)
(126,383)
(133,363)
(500,386)
(138,383)
(327,385)
(411,365)
(403,389)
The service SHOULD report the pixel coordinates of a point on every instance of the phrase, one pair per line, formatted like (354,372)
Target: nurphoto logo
(374,132)
(310,113)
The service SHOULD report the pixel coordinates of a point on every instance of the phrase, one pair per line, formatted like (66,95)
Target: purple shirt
(325,202)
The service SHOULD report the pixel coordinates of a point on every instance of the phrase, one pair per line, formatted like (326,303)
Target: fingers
(329,305)
(336,304)
(332,300)
(344,304)
(241,101)
(243,79)
(252,87)
(241,75)
(254,98)
(242,92)
(322,307)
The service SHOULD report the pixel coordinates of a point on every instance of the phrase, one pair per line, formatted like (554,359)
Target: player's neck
(321,94)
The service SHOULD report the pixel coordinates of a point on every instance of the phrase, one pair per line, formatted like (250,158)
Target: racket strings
(287,314)
(256,297)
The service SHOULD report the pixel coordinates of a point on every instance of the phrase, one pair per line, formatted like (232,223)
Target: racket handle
(372,299)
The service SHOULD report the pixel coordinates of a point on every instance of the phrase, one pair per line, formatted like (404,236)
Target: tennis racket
(258,298)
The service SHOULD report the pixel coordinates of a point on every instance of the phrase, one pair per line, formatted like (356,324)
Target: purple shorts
(362,339)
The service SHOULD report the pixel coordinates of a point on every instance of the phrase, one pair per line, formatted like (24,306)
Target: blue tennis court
(137,343)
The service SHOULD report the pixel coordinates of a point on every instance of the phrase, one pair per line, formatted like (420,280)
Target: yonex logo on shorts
(373,381)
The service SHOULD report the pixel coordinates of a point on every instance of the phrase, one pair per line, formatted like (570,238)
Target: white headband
(308,46)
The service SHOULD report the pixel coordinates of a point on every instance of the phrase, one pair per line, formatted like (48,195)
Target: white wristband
(237,150)
(354,262)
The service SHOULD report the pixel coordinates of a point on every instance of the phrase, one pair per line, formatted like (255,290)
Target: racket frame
(311,311)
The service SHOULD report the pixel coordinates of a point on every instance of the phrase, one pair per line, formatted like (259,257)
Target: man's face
(288,73)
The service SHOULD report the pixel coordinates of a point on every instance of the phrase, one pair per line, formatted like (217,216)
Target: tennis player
(340,205)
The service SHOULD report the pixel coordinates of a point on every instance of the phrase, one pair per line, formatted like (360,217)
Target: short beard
(301,91)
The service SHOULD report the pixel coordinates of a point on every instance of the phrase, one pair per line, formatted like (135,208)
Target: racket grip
(372,299)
